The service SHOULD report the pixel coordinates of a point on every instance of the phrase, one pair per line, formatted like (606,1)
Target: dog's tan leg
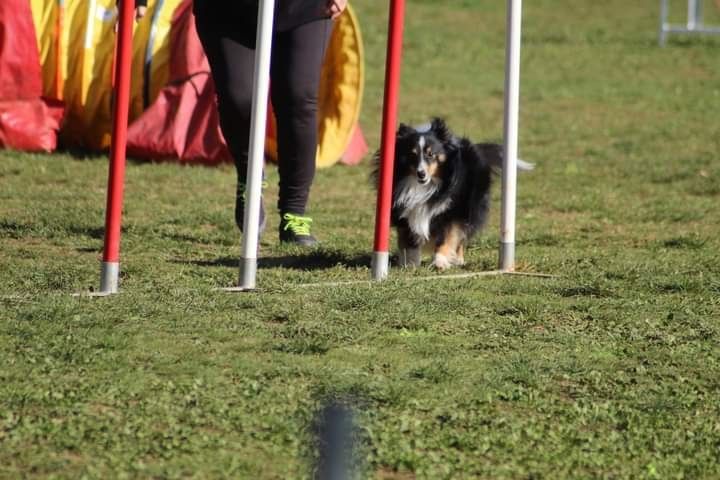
(460,254)
(446,252)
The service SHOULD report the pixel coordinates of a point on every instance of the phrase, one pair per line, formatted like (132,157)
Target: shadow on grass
(12,229)
(81,154)
(315,260)
(97,233)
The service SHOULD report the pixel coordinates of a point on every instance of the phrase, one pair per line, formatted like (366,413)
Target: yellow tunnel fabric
(76,41)
(83,48)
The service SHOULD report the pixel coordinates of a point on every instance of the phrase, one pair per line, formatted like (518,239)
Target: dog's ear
(404,130)
(441,130)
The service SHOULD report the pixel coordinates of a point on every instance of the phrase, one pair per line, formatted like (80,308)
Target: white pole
(261,85)
(662,34)
(510,149)
(693,14)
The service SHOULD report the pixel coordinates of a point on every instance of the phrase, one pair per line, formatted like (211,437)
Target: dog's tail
(492,153)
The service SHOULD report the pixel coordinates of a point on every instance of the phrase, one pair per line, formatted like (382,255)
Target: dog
(441,191)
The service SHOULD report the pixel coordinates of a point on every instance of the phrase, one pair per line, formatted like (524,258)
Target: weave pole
(110,269)
(261,87)
(694,14)
(381,256)
(510,143)
(695,24)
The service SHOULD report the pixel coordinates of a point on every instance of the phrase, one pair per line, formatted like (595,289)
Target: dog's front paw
(441,262)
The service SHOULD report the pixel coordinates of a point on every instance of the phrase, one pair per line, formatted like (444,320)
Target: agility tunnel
(28,121)
(173,115)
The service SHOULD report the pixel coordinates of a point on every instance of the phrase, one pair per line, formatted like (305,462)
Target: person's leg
(231,54)
(295,78)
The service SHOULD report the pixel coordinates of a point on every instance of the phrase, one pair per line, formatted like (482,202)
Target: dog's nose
(422,174)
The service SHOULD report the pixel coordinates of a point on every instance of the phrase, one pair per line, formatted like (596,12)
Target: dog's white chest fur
(414,198)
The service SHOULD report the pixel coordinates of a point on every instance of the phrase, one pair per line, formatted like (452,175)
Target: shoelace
(297,224)
(241,188)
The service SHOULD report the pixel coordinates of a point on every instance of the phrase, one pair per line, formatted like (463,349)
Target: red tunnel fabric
(27,121)
(182,122)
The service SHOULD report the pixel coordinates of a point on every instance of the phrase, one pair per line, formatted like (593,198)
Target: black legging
(228,38)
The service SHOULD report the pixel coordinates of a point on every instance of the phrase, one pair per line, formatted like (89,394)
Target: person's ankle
(240,200)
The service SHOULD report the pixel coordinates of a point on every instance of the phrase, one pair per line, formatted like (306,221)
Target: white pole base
(507,256)
(248,272)
(109,278)
(236,289)
(380,265)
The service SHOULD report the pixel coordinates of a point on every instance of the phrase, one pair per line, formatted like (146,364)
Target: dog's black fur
(441,191)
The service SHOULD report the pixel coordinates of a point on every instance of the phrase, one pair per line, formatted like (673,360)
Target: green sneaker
(296,229)
(240,207)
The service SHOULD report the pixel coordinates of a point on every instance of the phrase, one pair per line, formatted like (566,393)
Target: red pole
(387,142)
(116,179)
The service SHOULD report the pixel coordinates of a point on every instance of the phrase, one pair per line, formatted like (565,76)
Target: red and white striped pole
(110,271)
(381,256)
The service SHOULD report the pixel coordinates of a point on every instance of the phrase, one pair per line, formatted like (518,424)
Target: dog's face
(421,154)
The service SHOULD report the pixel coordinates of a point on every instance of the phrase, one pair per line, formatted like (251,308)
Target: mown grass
(608,370)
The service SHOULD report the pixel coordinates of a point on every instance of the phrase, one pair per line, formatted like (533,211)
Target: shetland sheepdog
(441,191)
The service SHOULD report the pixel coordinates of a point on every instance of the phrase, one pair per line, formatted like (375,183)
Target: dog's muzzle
(422,176)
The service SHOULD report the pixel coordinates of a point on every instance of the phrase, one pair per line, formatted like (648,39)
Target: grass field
(609,370)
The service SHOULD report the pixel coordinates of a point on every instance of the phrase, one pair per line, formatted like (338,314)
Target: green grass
(609,370)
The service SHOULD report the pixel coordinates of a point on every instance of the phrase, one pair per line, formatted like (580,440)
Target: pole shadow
(309,261)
